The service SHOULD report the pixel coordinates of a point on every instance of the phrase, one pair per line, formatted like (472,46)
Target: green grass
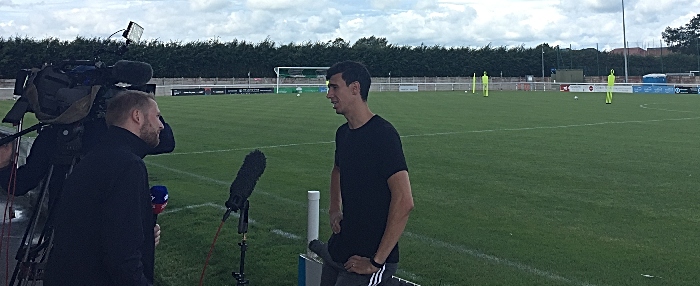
(520,188)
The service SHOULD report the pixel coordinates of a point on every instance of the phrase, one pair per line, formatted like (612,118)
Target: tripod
(242,229)
(32,256)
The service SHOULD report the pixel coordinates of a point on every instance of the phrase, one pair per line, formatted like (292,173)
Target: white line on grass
(170,211)
(235,215)
(219,182)
(286,234)
(494,259)
(553,127)
(449,133)
(662,109)
(419,237)
(243,149)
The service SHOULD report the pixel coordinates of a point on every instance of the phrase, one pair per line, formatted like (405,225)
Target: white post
(312,222)
(277,86)
(389,86)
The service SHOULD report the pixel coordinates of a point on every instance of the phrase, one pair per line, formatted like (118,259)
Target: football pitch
(519,188)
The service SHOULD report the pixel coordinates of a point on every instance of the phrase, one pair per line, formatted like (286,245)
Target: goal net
(301,79)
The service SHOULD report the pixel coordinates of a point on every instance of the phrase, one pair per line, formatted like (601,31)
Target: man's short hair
(352,71)
(120,107)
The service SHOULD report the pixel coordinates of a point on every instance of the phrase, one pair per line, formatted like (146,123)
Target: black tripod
(32,256)
(242,229)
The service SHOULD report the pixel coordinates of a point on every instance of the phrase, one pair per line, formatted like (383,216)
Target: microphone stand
(242,229)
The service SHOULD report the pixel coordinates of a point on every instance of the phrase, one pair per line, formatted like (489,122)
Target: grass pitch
(520,188)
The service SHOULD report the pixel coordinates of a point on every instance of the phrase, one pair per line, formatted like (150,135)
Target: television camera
(63,93)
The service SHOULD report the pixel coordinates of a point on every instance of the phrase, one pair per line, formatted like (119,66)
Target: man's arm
(335,212)
(399,208)
(37,164)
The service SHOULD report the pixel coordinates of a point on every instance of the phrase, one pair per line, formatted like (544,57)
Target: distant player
(611,83)
(485,85)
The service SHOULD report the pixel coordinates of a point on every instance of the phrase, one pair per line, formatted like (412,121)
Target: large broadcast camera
(67,92)
(70,100)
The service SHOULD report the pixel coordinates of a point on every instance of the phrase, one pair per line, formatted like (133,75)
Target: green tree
(684,39)
(371,42)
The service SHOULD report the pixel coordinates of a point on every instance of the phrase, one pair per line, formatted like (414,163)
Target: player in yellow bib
(611,83)
(485,85)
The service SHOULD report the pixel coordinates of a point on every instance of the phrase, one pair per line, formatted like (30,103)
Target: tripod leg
(25,246)
(242,229)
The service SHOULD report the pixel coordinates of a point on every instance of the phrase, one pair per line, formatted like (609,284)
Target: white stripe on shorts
(376,277)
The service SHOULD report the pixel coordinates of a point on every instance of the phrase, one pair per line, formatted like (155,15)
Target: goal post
(302,79)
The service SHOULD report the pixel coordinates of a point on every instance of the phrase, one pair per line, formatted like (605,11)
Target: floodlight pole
(661,45)
(571,57)
(543,81)
(542,62)
(624,38)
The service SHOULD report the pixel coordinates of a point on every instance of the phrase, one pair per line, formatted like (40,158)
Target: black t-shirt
(367,157)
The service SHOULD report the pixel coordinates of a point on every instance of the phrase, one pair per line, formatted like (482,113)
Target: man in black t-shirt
(369,180)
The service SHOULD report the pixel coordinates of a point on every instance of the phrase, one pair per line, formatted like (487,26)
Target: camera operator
(103,222)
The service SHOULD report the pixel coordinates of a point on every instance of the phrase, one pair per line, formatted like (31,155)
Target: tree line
(237,58)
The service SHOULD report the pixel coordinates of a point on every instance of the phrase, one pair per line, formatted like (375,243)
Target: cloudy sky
(474,23)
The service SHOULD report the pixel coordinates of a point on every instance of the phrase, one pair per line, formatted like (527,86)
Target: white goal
(300,79)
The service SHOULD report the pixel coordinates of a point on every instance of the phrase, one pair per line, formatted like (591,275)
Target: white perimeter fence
(318,85)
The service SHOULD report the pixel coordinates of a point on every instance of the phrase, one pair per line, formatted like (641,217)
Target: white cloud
(208,5)
(593,6)
(305,6)
(7,3)
(383,4)
(582,23)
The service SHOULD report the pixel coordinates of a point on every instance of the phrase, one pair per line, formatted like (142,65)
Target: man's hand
(360,265)
(336,217)
(156,233)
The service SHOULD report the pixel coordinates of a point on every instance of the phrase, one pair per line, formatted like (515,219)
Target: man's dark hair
(120,107)
(352,72)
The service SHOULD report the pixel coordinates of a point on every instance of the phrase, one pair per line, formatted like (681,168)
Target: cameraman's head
(137,112)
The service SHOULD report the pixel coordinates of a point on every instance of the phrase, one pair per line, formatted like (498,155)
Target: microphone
(132,72)
(159,199)
(244,183)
